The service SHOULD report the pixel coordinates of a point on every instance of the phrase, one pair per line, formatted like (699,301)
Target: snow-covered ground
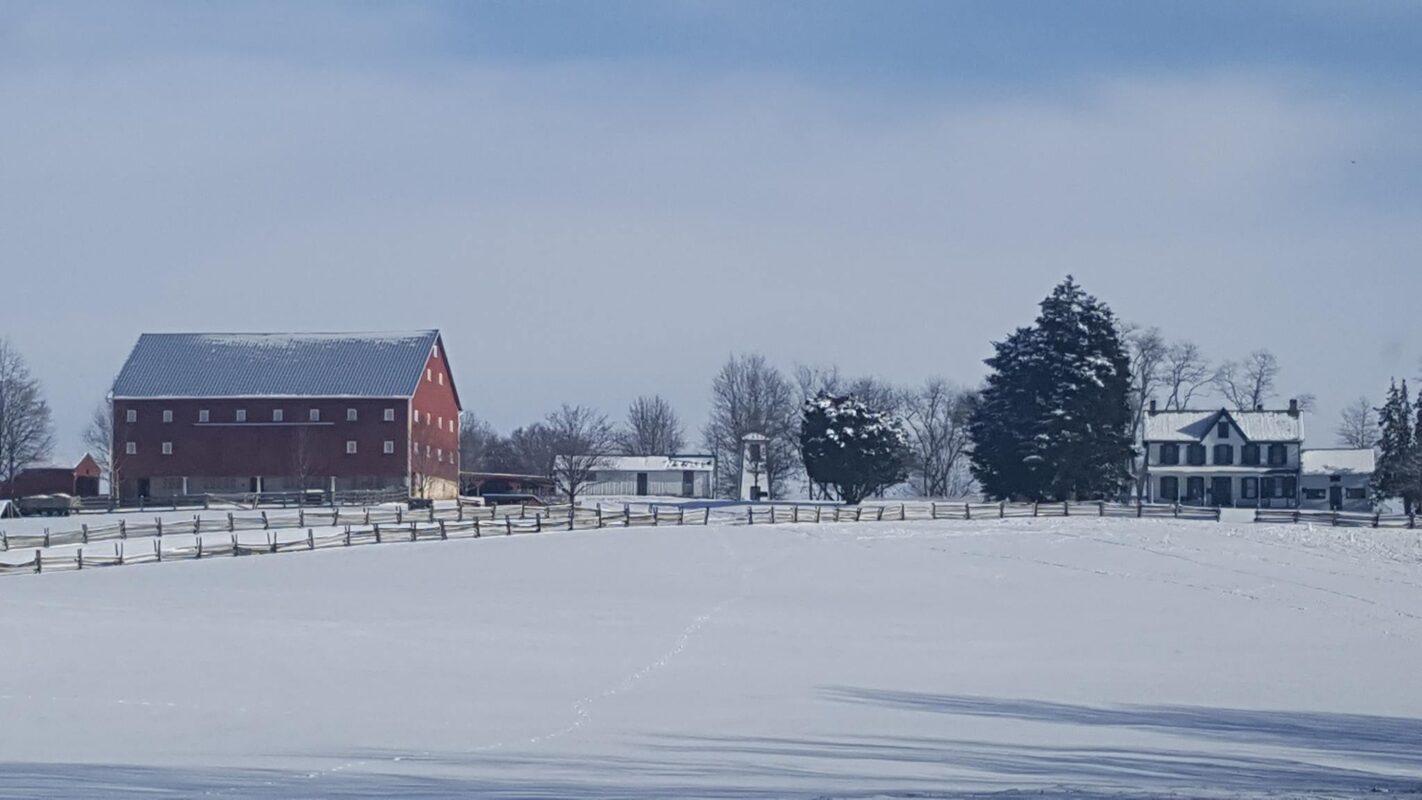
(1068,656)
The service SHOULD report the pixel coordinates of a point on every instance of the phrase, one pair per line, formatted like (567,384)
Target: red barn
(221,413)
(81,480)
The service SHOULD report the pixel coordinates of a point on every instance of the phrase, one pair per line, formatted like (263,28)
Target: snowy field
(1062,657)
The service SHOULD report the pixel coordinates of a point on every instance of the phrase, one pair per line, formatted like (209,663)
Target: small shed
(655,476)
(1337,479)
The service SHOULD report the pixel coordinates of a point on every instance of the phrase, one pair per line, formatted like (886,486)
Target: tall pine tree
(1396,474)
(1054,420)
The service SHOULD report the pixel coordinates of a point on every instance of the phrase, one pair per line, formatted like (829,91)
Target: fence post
(750,515)
(79,559)
(158,550)
(414,530)
(399,515)
(508,526)
(1035,506)
(376,529)
(1100,508)
(300,517)
(199,546)
(626,516)
(477,532)
(4,541)
(123,529)
(432,516)
(310,539)
(967,511)
(46,537)
(265,523)
(1140,508)
(1177,509)
(932,510)
(1335,519)
(880,516)
(118,550)
(537,523)
(1377,518)
(599,514)
(1411,520)
(681,515)
(795,512)
(1001,509)
(459,508)
(159,522)
(443,534)
(818,509)
(39,564)
(903,513)
(84,532)
(1066,508)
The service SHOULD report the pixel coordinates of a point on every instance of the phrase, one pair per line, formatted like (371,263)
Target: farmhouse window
(1169,454)
(1356,494)
(167,415)
(167,448)
(350,447)
(389,447)
(130,448)
(1314,494)
(1224,454)
(1194,489)
(1195,455)
(1268,487)
(241,415)
(277,415)
(1290,486)
(1223,429)
(1170,488)
(131,415)
(1278,455)
(352,415)
(1249,488)
(1249,454)
(315,415)
(204,415)
(389,415)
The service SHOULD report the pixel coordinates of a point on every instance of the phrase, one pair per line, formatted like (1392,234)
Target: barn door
(641,484)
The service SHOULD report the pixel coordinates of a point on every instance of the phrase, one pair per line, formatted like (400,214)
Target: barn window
(439,454)
(439,422)
(204,416)
(241,415)
(277,415)
(436,351)
(350,447)
(351,415)
(389,447)
(167,448)
(315,415)
(427,451)
(167,415)
(389,415)
(131,415)
(441,379)
(429,374)
(130,448)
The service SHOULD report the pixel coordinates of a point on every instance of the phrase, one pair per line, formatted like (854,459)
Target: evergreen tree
(1396,474)
(852,447)
(1054,419)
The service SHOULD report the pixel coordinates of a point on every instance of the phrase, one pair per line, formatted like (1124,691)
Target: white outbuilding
(654,476)
(1337,479)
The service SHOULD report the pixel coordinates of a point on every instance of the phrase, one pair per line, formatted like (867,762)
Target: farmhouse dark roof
(275,364)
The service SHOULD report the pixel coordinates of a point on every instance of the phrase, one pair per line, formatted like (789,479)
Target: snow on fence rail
(231,534)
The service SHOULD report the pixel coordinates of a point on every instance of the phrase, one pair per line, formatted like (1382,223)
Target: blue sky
(596,200)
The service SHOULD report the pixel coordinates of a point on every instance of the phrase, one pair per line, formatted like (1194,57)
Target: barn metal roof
(275,365)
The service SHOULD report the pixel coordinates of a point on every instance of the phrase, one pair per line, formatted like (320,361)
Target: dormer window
(1223,429)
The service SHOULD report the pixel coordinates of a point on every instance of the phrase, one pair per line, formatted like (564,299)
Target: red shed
(81,480)
(221,413)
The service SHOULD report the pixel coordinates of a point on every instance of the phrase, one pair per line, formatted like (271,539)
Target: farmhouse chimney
(1152,405)
(1293,407)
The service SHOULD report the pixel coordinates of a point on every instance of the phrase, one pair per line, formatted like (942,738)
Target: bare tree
(1248,384)
(1148,357)
(750,396)
(1186,372)
(936,418)
(652,429)
(482,449)
(582,438)
(1357,425)
(98,438)
(534,450)
(26,430)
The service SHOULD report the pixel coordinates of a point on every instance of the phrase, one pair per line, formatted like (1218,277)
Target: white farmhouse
(1338,479)
(1223,457)
(656,476)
